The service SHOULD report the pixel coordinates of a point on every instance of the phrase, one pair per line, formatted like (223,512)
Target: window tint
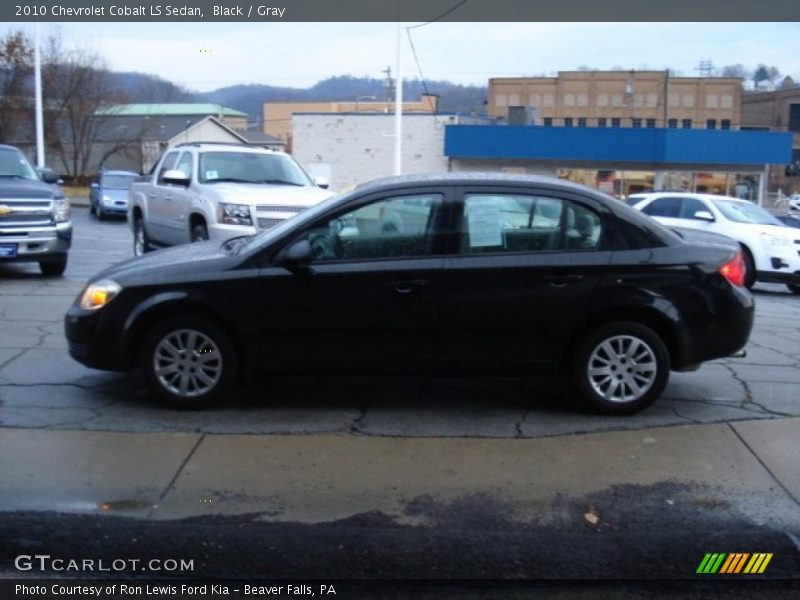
(392,227)
(515,223)
(691,206)
(664,207)
(168,164)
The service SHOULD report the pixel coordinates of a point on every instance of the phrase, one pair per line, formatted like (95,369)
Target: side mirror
(296,257)
(175,177)
(95,185)
(704,215)
(48,175)
(322,182)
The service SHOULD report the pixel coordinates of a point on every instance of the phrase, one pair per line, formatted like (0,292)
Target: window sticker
(212,175)
(484,223)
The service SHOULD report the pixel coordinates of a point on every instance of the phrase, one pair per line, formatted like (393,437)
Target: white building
(350,148)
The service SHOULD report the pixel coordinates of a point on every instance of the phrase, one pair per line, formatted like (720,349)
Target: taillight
(734,269)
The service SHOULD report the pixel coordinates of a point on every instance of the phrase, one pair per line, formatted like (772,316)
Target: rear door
(525,265)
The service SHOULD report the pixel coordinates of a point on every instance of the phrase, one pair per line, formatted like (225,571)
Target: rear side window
(664,207)
(521,223)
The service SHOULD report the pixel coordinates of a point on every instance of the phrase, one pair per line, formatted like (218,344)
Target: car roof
(118,172)
(225,146)
(472,178)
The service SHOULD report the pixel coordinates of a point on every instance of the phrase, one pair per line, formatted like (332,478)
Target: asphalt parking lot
(395,477)
(42,387)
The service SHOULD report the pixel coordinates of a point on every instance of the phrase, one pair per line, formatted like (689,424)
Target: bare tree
(16,66)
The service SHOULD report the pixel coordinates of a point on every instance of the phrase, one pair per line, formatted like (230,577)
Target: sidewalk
(749,468)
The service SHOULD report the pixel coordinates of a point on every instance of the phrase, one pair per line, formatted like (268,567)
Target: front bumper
(91,342)
(37,243)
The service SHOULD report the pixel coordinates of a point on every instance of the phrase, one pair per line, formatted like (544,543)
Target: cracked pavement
(42,387)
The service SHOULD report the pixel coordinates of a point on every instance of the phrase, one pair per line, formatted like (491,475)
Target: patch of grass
(76,191)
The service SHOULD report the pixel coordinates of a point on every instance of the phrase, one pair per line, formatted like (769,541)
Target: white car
(794,202)
(771,250)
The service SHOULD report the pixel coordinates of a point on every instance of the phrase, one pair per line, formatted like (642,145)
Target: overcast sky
(206,56)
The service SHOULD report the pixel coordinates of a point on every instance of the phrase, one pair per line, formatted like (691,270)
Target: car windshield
(744,212)
(14,165)
(250,167)
(118,182)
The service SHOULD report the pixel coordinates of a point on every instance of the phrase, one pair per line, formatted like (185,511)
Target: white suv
(771,250)
(213,191)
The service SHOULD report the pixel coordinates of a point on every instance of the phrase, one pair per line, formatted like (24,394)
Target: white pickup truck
(207,191)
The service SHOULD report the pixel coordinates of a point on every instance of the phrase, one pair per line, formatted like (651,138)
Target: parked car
(794,202)
(771,250)
(34,214)
(594,289)
(108,193)
(205,191)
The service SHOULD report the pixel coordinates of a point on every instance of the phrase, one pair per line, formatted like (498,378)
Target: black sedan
(464,273)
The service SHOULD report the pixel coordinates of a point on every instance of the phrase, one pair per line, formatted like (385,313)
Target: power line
(441,16)
(419,67)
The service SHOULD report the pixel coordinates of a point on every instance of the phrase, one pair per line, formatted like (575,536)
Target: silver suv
(207,191)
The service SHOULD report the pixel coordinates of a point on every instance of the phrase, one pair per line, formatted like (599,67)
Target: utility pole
(398,109)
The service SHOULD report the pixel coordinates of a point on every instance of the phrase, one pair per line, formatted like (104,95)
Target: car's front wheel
(621,368)
(55,267)
(189,362)
(199,233)
(141,242)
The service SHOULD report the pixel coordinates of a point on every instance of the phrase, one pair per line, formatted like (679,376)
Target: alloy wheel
(622,368)
(187,363)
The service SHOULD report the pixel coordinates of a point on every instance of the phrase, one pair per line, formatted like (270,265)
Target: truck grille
(25,213)
(278,208)
(267,223)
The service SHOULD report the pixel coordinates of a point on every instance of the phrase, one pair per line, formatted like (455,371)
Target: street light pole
(37,85)
(398,110)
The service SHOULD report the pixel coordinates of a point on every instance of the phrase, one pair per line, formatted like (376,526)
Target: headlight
(98,294)
(235,214)
(61,210)
(775,240)
(107,199)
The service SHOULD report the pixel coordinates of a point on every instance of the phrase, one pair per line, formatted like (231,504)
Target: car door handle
(169,198)
(407,286)
(562,280)
(151,196)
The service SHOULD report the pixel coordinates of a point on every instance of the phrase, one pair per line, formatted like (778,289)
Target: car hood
(258,193)
(185,263)
(26,188)
(115,194)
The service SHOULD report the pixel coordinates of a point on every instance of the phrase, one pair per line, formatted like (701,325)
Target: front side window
(521,223)
(185,165)
(690,206)
(394,227)
(167,165)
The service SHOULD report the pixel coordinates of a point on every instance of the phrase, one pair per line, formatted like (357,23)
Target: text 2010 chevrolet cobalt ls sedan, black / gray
(469,273)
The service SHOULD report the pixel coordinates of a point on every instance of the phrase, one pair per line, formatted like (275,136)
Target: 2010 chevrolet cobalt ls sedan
(471,273)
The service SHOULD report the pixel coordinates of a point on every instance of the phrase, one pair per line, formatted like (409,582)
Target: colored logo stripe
(734,563)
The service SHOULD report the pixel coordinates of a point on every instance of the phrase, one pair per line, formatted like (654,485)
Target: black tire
(53,268)
(100,213)
(621,369)
(749,268)
(91,208)
(793,287)
(168,386)
(199,233)
(141,241)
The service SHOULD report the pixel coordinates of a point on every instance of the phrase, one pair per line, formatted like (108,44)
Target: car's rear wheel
(621,368)
(53,268)
(199,233)
(189,362)
(141,242)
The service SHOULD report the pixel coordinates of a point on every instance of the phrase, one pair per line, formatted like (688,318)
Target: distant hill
(248,98)
(141,87)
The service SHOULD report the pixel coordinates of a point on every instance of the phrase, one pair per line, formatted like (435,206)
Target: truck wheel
(188,362)
(621,368)
(54,268)
(199,233)
(141,242)
(749,268)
